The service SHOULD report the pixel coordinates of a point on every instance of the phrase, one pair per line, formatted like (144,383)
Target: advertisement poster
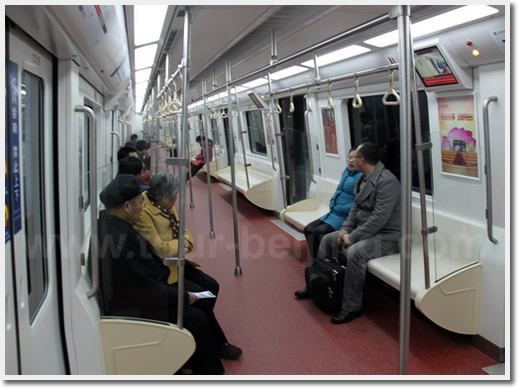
(459,147)
(328,119)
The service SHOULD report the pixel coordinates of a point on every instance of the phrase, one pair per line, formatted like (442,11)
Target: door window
(256,137)
(34,196)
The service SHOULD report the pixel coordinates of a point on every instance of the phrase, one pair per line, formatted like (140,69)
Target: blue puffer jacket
(342,200)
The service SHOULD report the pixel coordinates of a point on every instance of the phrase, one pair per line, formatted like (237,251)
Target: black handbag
(325,282)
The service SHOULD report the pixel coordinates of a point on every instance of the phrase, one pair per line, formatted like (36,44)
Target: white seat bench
(261,190)
(303,212)
(135,346)
(453,297)
(214,167)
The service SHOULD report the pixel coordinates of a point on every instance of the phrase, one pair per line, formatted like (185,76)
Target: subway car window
(379,124)
(34,196)
(256,137)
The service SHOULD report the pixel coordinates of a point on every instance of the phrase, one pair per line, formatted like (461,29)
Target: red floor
(280,335)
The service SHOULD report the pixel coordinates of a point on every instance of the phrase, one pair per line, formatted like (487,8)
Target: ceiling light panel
(338,55)
(437,23)
(142,75)
(288,72)
(144,56)
(146,31)
(255,83)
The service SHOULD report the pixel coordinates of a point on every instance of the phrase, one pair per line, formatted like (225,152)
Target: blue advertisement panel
(13,122)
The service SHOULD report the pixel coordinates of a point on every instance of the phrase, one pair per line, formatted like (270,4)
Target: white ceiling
(241,34)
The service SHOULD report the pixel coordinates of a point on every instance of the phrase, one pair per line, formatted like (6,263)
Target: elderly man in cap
(133,278)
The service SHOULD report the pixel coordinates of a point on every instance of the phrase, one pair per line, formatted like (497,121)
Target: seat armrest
(140,346)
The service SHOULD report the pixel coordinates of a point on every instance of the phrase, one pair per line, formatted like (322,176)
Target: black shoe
(302,294)
(345,316)
(230,352)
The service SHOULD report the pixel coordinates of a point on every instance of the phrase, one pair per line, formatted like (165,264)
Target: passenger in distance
(126,151)
(133,139)
(134,279)
(372,229)
(133,166)
(142,148)
(339,206)
(200,160)
(160,225)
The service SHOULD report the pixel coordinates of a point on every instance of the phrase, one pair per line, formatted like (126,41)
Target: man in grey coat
(372,229)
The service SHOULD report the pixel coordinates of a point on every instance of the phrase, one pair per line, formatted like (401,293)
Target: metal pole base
(192,205)
(212,234)
(238,271)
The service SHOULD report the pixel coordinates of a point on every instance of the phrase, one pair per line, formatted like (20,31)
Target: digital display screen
(256,100)
(433,68)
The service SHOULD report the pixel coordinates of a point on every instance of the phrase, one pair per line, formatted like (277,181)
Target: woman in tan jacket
(159,224)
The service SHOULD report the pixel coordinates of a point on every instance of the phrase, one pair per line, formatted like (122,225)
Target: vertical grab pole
(278,135)
(276,131)
(184,133)
(170,127)
(206,150)
(237,270)
(241,133)
(405,118)
(487,170)
(92,166)
(420,148)
(308,137)
(188,158)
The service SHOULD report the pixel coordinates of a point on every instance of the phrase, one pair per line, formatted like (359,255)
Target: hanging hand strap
(329,98)
(357,100)
(278,108)
(308,104)
(391,91)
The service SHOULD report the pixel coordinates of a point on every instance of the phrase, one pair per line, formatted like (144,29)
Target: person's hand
(346,241)
(340,236)
(192,298)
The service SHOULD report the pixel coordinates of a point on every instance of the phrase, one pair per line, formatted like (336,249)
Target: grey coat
(377,208)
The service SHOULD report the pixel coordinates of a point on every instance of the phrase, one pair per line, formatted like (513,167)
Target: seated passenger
(126,151)
(200,160)
(134,279)
(132,166)
(142,148)
(372,229)
(341,202)
(133,139)
(160,225)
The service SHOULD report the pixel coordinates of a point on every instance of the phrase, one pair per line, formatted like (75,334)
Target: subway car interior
(258,114)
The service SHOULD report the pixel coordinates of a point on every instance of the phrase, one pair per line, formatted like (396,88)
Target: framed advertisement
(329,124)
(459,137)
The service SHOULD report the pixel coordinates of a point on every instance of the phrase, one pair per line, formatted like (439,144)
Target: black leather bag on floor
(325,282)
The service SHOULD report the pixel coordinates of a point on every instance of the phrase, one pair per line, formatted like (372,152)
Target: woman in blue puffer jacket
(341,202)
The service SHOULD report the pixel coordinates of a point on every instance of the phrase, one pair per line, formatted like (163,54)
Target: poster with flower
(458,129)
(330,140)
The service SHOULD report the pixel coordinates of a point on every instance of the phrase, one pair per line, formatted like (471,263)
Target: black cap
(123,188)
